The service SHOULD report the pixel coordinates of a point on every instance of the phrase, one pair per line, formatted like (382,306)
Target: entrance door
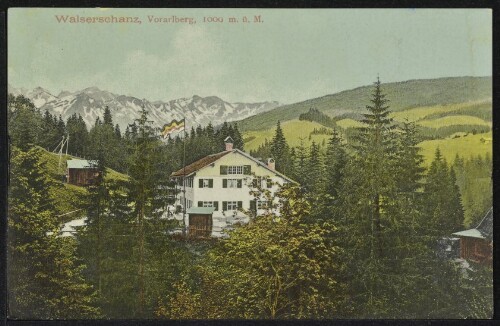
(200,225)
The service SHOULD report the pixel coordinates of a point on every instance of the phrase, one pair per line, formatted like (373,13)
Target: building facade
(226,188)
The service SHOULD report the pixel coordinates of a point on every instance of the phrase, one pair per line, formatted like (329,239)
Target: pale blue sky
(292,55)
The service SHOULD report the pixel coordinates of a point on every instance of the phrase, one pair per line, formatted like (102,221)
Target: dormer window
(235,169)
(238,169)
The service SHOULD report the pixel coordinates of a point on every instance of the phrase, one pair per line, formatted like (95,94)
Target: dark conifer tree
(336,159)
(118,133)
(315,178)
(25,123)
(237,137)
(107,118)
(443,206)
(45,280)
(280,151)
(147,189)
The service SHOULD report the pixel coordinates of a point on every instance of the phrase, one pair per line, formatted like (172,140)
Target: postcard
(250,163)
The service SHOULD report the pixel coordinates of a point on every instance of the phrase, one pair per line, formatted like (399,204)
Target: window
(205,183)
(232,183)
(238,169)
(262,204)
(188,182)
(214,204)
(235,169)
(231,205)
(189,203)
(269,183)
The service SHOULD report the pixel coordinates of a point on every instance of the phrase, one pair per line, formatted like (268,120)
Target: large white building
(220,190)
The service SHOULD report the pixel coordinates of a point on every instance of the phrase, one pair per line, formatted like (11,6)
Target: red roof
(195,166)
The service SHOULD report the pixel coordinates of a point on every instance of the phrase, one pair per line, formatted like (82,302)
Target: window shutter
(200,183)
(210,183)
(247,169)
(253,206)
(240,183)
(224,183)
(223,169)
(216,205)
(200,204)
(240,205)
(269,183)
(224,205)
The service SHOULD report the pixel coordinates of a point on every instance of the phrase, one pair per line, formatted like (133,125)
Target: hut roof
(483,231)
(81,164)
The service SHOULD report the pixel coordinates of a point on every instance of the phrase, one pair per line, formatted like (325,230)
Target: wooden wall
(82,177)
(476,250)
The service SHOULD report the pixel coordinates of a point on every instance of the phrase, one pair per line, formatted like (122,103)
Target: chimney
(229,143)
(271,164)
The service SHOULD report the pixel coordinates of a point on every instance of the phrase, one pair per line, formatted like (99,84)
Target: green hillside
(402,95)
(481,109)
(294,131)
(465,146)
(453,120)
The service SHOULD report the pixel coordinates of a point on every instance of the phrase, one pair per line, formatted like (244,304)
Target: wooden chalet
(82,172)
(476,244)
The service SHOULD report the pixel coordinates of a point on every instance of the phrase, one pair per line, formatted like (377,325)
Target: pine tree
(78,135)
(280,151)
(45,280)
(237,137)
(336,159)
(50,139)
(107,118)
(442,198)
(375,150)
(300,163)
(148,190)
(25,123)
(315,169)
(380,223)
(118,133)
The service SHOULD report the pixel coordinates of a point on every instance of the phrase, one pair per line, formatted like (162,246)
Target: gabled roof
(81,164)
(483,231)
(198,165)
(264,165)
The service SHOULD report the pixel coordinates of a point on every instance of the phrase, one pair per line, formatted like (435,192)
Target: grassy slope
(430,112)
(68,197)
(402,95)
(349,123)
(453,120)
(470,145)
(293,130)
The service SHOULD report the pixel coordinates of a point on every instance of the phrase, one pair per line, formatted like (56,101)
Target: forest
(356,237)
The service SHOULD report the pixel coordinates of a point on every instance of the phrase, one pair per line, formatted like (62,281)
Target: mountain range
(90,103)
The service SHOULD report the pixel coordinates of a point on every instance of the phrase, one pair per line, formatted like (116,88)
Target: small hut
(82,172)
(476,244)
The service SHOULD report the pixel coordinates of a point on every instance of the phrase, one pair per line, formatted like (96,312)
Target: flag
(172,127)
